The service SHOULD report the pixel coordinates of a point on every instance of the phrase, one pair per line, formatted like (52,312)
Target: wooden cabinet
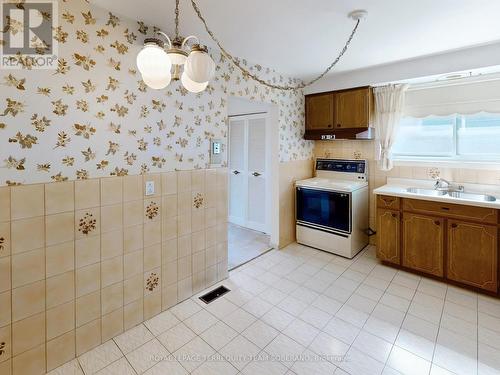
(340,114)
(388,234)
(353,108)
(423,243)
(320,111)
(472,254)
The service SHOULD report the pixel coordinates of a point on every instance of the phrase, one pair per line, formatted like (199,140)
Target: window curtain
(389,106)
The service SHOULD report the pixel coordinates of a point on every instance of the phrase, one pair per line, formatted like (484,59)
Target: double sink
(452,194)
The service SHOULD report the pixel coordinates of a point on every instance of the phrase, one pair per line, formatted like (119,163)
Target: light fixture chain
(177,19)
(260,80)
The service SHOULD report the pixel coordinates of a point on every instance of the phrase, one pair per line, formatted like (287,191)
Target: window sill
(458,164)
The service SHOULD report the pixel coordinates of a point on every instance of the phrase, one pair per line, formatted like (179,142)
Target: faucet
(450,186)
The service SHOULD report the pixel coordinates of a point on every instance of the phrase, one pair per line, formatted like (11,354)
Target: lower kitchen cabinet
(388,229)
(423,243)
(472,254)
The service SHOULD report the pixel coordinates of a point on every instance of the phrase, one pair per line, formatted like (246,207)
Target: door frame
(272,165)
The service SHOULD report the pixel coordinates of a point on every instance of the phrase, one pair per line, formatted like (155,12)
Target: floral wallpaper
(94,117)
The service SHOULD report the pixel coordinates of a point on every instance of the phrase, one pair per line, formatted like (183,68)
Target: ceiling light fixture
(159,64)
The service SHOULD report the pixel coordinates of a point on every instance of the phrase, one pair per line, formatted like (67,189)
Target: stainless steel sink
(429,192)
(453,194)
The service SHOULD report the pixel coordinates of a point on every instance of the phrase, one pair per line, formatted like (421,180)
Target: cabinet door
(353,109)
(472,254)
(388,234)
(320,112)
(423,243)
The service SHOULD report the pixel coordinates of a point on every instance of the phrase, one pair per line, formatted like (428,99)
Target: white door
(248,167)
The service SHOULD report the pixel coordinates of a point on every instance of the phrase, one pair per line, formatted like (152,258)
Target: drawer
(457,211)
(386,201)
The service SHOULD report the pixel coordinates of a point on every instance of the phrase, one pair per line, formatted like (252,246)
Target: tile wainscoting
(82,261)
(377,178)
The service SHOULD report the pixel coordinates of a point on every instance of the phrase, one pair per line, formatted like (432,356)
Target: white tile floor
(245,244)
(302,312)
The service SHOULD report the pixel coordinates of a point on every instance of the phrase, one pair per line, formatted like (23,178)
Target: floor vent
(214,294)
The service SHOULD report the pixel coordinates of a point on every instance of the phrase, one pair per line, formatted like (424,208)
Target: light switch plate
(150,188)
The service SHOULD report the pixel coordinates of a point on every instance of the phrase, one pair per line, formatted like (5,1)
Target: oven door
(323,209)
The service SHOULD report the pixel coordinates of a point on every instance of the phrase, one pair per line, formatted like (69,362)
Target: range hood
(339,134)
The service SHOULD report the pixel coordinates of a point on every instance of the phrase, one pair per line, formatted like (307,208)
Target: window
(457,137)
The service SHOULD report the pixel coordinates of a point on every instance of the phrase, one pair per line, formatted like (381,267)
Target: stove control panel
(341,165)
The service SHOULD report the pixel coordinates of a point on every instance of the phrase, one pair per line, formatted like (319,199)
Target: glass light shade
(153,61)
(157,82)
(177,58)
(200,67)
(192,86)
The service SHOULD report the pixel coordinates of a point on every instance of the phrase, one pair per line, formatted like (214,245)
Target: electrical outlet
(150,188)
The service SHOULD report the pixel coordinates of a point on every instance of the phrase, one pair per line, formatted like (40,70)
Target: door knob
(236,172)
(256,174)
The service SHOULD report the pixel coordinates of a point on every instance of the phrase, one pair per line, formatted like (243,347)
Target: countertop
(397,187)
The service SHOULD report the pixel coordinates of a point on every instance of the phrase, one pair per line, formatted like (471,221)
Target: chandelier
(161,62)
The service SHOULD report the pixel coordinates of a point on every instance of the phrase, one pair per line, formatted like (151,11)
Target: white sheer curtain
(389,105)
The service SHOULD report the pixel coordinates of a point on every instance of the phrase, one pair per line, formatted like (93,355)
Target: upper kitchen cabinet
(320,111)
(338,114)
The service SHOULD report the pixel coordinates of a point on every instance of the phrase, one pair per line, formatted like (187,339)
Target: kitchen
(182,194)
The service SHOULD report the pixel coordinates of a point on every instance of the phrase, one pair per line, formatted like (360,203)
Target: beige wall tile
(31,362)
(183,181)
(210,256)
(59,228)
(60,319)
(111,191)
(169,251)
(198,262)
(5,203)
(152,257)
(198,220)
(87,222)
(88,308)
(88,279)
(87,251)
(198,180)
(184,289)
(132,188)
(112,271)
(111,218)
(6,340)
(60,350)
(59,197)
(27,201)
(221,234)
(184,224)
(133,238)
(199,281)
(87,194)
(184,199)
(169,183)
(210,217)
(28,267)
(21,241)
(156,178)
(152,281)
(184,246)
(169,271)
(112,325)
(111,244)
(133,314)
(169,296)
(210,198)
(28,300)
(4,239)
(133,213)
(169,228)
(169,203)
(152,210)
(184,267)
(211,274)
(6,367)
(6,310)
(112,298)
(88,336)
(28,333)
(5,277)
(133,288)
(152,305)
(210,179)
(133,264)
(152,233)
(60,289)
(59,258)
(198,241)
(210,236)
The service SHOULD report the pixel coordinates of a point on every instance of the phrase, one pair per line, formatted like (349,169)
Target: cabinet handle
(445,208)
(394,215)
(339,125)
(236,172)
(437,222)
(454,225)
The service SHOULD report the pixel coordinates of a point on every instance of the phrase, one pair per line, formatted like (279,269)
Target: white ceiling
(300,38)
